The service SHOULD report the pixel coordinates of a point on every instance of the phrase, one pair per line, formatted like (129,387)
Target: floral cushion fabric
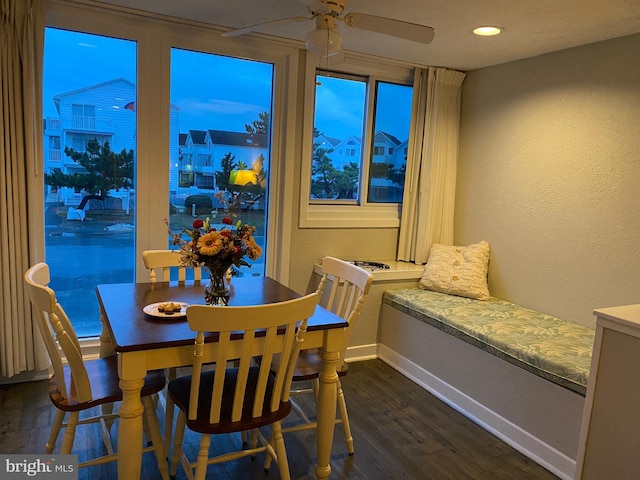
(458,270)
(554,349)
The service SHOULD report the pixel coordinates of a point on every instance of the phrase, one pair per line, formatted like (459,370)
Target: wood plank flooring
(400,431)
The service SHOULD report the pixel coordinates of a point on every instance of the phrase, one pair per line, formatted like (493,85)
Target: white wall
(549,173)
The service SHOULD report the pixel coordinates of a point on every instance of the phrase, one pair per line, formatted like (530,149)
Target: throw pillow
(457,270)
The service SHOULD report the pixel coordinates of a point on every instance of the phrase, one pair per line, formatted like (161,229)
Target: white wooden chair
(349,286)
(245,397)
(160,264)
(81,385)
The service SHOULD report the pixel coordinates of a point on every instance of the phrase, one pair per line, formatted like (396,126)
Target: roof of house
(391,138)
(198,136)
(241,139)
(330,140)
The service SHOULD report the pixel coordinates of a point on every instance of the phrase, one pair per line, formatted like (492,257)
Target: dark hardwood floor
(400,431)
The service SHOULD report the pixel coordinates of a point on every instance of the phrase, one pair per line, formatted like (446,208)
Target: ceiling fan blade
(389,26)
(259,27)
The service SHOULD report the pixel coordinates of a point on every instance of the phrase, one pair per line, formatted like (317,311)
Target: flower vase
(218,289)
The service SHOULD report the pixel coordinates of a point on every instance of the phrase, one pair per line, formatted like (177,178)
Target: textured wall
(549,174)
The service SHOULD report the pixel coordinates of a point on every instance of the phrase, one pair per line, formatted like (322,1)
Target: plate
(152,310)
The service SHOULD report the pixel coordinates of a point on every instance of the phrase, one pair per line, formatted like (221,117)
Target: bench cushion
(552,348)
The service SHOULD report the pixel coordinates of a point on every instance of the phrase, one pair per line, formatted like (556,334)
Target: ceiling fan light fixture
(325,40)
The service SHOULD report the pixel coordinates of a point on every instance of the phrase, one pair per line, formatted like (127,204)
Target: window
(83,116)
(360,129)
(391,124)
(339,119)
(224,105)
(132,58)
(89,236)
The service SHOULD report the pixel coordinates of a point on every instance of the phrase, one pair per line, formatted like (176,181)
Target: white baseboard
(532,447)
(27,376)
(362,352)
(90,348)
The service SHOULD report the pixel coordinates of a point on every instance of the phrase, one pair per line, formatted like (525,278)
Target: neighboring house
(386,149)
(97,111)
(201,153)
(346,151)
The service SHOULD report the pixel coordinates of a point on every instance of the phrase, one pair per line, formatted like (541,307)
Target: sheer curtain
(21,225)
(430,188)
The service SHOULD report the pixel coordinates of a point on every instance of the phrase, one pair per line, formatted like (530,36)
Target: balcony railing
(52,124)
(84,123)
(55,155)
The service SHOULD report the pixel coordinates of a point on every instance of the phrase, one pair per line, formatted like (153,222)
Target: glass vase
(218,289)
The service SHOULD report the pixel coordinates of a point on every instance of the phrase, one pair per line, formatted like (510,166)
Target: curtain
(21,225)
(430,186)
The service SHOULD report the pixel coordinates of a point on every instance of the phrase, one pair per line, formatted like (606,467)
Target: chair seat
(105,388)
(179,390)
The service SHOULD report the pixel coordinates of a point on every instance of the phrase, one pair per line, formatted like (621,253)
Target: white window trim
(367,215)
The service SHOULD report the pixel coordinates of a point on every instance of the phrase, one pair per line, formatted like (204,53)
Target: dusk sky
(212,91)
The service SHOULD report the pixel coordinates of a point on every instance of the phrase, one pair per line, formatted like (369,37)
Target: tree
(261,125)
(397,175)
(106,170)
(326,180)
(227,164)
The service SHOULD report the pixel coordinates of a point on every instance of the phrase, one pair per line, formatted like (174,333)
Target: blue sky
(212,91)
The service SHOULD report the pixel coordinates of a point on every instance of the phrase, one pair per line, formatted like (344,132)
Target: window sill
(350,216)
(396,271)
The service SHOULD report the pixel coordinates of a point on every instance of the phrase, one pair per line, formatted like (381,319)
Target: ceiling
(531,27)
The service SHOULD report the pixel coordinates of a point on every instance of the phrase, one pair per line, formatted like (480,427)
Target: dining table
(145,341)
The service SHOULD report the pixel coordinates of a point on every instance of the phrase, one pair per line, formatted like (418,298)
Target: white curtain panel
(430,186)
(21,225)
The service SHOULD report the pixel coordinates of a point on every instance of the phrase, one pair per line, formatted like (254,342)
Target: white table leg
(130,430)
(326,412)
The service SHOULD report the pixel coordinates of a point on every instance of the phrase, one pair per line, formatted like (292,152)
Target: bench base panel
(536,417)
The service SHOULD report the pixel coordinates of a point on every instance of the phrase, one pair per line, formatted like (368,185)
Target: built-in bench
(552,348)
(519,373)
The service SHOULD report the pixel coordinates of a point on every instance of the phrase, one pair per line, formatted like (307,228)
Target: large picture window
(107,151)
(89,164)
(220,142)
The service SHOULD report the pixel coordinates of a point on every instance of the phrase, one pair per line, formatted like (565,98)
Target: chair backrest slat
(263,330)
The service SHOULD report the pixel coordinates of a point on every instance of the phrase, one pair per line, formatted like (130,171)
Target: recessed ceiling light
(487,31)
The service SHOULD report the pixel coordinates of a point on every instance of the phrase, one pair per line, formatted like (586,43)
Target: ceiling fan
(325,40)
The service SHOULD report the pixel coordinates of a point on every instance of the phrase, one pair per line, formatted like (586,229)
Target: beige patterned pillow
(458,271)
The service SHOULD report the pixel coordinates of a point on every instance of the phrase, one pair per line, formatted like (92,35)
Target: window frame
(323,214)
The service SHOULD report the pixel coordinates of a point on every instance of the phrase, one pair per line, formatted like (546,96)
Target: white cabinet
(609,446)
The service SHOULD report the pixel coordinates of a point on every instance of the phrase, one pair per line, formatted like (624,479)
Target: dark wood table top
(131,329)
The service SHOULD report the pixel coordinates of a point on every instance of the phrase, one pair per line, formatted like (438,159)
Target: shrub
(203,203)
